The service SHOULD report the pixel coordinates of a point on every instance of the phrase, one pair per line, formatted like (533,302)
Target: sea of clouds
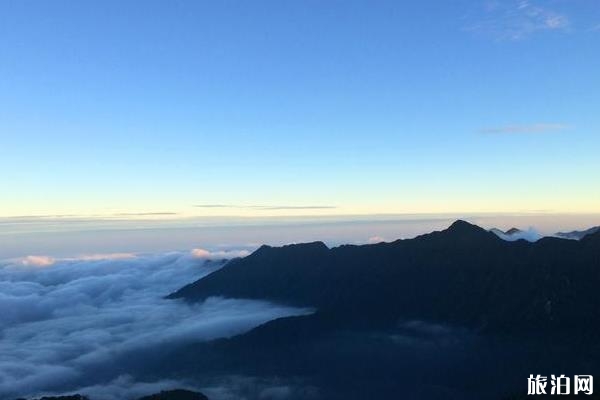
(82,323)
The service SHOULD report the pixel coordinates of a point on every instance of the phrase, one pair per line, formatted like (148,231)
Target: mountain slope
(176,394)
(578,235)
(463,275)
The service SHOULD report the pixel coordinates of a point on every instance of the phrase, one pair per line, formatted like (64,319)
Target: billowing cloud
(86,322)
(45,261)
(106,256)
(219,255)
(200,253)
(37,261)
(375,239)
(531,235)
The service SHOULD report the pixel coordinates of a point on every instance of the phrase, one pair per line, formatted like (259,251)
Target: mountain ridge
(174,394)
(463,275)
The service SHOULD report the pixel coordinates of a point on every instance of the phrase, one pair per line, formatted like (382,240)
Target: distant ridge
(578,235)
(176,394)
(532,236)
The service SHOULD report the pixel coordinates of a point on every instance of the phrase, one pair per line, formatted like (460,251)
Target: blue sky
(299,107)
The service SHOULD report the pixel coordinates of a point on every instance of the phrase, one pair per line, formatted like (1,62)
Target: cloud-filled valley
(73,323)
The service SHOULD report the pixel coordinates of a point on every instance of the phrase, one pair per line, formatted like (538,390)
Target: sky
(181,109)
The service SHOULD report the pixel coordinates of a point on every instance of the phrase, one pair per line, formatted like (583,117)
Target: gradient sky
(298,107)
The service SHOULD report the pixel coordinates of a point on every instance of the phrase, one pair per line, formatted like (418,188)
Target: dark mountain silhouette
(70,397)
(500,232)
(464,276)
(497,231)
(578,235)
(177,394)
(456,314)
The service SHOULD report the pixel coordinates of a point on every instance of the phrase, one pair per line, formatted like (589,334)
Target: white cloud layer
(375,239)
(219,255)
(37,261)
(68,324)
(531,235)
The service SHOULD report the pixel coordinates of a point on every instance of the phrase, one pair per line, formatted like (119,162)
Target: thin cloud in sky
(214,206)
(516,20)
(78,217)
(531,128)
(35,216)
(267,208)
(138,214)
(294,207)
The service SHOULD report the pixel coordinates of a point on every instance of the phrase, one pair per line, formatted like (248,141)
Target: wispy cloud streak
(516,20)
(268,207)
(142,214)
(531,128)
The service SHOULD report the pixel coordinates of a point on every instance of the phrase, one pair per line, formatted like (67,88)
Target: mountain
(513,234)
(177,394)
(512,231)
(455,314)
(531,235)
(578,235)
(70,397)
(497,231)
(463,275)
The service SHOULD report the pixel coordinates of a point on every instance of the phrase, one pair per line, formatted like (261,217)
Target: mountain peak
(318,245)
(464,230)
(463,226)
